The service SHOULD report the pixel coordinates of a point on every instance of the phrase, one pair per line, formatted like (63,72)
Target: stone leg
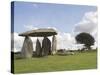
(27,49)
(38,48)
(54,45)
(46,46)
(49,47)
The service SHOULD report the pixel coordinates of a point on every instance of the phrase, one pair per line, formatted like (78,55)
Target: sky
(67,19)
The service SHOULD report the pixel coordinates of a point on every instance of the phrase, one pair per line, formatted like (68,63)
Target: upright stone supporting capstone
(54,45)
(38,48)
(27,49)
(49,46)
(46,46)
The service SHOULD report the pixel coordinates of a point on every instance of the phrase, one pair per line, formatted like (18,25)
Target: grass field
(78,61)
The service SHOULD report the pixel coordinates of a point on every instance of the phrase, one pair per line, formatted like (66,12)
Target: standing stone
(54,44)
(38,48)
(49,46)
(27,49)
(46,46)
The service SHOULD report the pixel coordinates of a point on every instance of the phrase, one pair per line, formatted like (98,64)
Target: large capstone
(38,48)
(54,44)
(27,49)
(46,46)
(39,32)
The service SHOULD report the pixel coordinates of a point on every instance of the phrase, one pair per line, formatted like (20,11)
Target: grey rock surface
(54,45)
(27,49)
(46,46)
(38,48)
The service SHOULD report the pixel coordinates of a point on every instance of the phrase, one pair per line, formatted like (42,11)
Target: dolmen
(46,48)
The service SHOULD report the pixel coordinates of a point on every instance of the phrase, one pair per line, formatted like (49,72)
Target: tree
(86,39)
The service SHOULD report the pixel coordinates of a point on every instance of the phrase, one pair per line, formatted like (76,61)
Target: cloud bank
(88,23)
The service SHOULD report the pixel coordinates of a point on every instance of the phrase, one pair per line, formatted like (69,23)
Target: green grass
(78,61)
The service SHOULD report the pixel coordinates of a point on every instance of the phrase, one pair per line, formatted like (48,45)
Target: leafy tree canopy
(86,39)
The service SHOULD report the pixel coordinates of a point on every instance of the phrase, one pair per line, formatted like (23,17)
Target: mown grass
(78,61)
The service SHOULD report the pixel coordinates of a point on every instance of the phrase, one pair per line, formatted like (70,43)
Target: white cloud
(18,41)
(95,45)
(53,28)
(65,41)
(29,27)
(35,5)
(88,23)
